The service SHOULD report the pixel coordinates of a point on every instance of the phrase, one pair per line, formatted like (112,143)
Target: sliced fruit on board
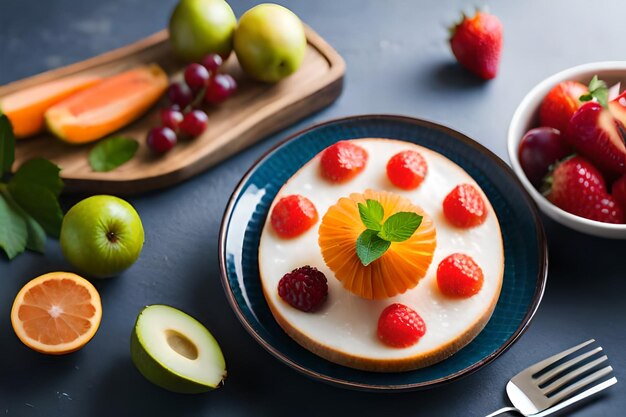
(56,313)
(94,113)
(26,108)
(175,351)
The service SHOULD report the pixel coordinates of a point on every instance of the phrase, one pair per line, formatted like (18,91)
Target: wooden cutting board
(254,112)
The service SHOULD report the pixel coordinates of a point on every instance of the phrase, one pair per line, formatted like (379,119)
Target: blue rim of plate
(523,236)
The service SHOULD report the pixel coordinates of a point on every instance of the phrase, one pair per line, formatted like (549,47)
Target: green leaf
(35,188)
(14,232)
(7,145)
(36,239)
(400,226)
(598,90)
(369,246)
(372,214)
(41,172)
(41,204)
(111,153)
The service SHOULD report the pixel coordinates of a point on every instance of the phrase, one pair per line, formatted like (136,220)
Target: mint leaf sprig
(29,201)
(378,236)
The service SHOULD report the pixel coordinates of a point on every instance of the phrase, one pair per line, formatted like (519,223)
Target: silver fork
(532,397)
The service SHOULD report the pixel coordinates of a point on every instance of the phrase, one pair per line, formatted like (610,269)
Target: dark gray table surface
(398,61)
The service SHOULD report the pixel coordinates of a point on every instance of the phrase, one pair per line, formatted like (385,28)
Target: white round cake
(344,329)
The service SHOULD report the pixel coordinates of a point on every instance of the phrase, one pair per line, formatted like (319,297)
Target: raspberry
(400,326)
(293,215)
(459,275)
(407,169)
(464,206)
(304,288)
(343,161)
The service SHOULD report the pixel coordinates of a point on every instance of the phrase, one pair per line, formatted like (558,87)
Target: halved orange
(56,313)
(398,270)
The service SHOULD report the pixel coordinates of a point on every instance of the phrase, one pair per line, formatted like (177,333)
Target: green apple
(202,27)
(101,236)
(270,42)
(175,351)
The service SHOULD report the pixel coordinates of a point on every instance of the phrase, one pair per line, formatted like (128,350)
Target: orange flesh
(56,313)
(26,108)
(108,106)
(398,270)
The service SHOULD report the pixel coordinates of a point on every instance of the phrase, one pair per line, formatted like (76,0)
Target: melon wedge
(25,108)
(115,102)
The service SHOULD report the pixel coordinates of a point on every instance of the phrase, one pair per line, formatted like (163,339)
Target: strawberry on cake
(381,255)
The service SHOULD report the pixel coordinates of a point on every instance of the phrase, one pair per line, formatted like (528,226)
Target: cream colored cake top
(347,324)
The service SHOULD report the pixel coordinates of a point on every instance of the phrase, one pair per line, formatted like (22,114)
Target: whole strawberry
(476,43)
(578,188)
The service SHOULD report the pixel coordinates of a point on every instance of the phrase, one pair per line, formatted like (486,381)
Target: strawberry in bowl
(567,143)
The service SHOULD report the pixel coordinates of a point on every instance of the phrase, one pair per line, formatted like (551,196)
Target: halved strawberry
(617,107)
(464,206)
(407,169)
(458,275)
(343,161)
(596,132)
(293,215)
(400,326)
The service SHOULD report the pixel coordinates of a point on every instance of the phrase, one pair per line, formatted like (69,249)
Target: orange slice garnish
(56,313)
(402,266)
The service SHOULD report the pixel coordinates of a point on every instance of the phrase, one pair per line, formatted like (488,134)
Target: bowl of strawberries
(566,143)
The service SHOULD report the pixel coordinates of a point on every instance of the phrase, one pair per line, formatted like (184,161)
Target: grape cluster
(202,82)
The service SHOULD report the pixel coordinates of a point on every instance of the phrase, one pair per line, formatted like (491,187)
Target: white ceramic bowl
(526,117)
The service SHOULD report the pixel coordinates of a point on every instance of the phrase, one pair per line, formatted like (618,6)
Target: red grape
(220,87)
(540,148)
(196,76)
(161,139)
(194,123)
(212,62)
(180,94)
(171,118)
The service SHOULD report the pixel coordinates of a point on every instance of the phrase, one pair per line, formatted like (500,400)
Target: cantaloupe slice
(25,108)
(398,270)
(94,113)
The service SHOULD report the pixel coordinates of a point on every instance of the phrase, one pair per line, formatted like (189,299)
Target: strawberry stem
(546,183)
(597,90)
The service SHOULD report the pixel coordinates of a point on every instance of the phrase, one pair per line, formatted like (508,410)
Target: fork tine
(580,384)
(578,397)
(547,362)
(554,372)
(573,374)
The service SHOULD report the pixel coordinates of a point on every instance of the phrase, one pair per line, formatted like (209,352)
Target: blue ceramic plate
(524,248)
